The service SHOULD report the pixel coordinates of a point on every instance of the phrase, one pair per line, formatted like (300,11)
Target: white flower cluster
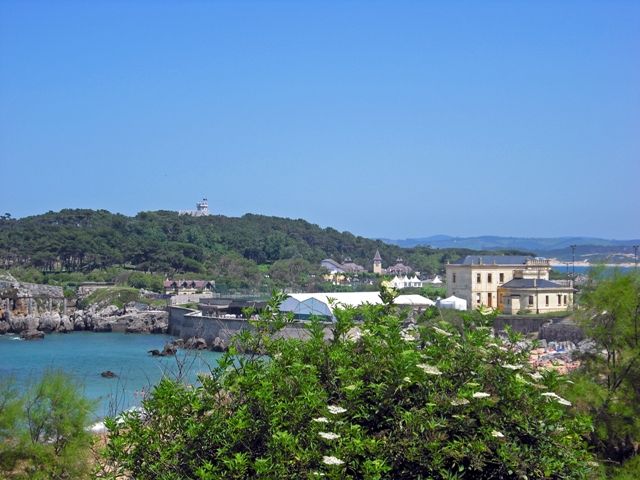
(429,369)
(329,435)
(497,434)
(321,420)
(508,366)
(459,401)
(408,335)
(557,398)
(330,460)
(481,395)
(334,409)
(442,332)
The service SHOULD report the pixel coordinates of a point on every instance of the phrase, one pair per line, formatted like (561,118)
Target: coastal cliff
(27,309)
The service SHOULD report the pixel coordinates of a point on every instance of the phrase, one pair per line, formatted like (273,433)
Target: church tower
(377,263)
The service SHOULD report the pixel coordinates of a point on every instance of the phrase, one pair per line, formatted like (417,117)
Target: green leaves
(606,387)
(387,402)
(43,432)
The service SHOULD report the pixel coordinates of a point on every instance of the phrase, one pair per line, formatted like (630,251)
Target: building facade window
(489,278)
(546,300)
(502,278)
(478,298)
(559,299)
(565,299)
(478,280)
(530,300)
(454,278)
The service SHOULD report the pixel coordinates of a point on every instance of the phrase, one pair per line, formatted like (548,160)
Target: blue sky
(387,119)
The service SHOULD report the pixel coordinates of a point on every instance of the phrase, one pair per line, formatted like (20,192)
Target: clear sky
(388,119)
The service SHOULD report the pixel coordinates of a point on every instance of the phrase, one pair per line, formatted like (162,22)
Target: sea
(584,270)
(85,355)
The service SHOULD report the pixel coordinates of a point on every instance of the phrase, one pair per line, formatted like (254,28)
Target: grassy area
(118,296)
(192,305)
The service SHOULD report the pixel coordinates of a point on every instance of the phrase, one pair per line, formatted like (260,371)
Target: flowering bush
(379,400)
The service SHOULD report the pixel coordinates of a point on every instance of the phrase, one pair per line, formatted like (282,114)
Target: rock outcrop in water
(112,319)
(27,307)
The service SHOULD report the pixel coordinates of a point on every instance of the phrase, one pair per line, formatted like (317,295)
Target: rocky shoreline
(107,319)
(32,310)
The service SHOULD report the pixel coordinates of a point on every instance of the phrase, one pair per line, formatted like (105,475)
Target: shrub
(379,400)
(147,281)
(606,387)
(43,432)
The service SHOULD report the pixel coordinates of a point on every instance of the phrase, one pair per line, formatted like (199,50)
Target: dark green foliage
(607,387)
(434,403)
(43,432)
(147,281)
(297,271)
(87,240)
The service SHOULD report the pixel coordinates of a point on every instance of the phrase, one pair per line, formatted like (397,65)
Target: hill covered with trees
(236,251)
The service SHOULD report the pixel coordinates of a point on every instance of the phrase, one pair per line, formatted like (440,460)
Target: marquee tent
(303,305)
(453,302)
(413,300)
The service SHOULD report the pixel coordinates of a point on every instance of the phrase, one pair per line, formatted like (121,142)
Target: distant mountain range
(594,249)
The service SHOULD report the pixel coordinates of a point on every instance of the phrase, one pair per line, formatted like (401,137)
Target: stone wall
(520,324)
(186,323)
(557,329)
(183,298)
(561,331)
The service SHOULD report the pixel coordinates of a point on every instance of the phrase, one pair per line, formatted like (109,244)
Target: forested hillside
(237,250)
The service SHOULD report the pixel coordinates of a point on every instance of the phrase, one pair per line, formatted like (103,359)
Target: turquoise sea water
(84,355)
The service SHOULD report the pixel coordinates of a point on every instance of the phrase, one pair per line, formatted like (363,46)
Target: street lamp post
(573,254)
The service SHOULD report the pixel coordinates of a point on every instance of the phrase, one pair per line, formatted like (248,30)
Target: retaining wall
(556,329)
(186,323)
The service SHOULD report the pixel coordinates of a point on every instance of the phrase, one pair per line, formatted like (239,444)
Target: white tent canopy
(303,305)
(322,304)
(414,300)
(453,302)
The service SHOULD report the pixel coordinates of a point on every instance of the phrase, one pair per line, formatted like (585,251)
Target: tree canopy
(228,249)
(607,386)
